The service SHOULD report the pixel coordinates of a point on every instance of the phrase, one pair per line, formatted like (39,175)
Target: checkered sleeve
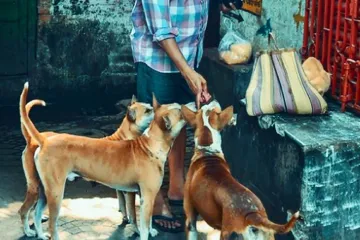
(157,14)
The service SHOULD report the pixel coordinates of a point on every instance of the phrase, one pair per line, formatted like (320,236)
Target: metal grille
(332,35)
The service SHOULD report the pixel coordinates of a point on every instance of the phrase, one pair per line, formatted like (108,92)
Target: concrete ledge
(311,163)
(306,163)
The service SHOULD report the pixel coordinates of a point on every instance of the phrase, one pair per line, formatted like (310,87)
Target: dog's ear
(155,103)
(225,116)
(167,122)
(133,99)
(189,115)
(131,114)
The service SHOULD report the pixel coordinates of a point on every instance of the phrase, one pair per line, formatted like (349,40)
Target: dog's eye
(147,110)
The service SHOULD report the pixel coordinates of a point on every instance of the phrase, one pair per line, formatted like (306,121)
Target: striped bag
(279,84)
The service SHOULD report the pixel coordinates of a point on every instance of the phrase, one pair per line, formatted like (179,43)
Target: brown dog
(138,118)
(211,191)
(131,166)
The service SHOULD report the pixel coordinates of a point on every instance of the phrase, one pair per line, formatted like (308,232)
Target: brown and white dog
(131,165)
(138,118)
(229,206)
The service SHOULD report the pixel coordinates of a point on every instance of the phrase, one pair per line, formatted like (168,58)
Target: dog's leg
(225,235)
(130,206)
(131,228)
(191,217)
(122,206)
(232,227)
(31,191)
(146,209)
(54,195)
(40,206)
(30,200)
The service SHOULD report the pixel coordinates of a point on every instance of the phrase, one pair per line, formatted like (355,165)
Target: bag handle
(271,37)
(228,23)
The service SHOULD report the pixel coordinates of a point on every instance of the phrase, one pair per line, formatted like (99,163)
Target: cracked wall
(83,49)
(330,193)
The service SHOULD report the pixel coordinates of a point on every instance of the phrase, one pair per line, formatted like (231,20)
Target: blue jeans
(168,87)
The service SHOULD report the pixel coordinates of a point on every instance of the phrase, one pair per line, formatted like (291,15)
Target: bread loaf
(239,53)
(316,75)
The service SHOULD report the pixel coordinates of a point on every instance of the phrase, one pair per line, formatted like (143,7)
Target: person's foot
(163,219)
(167,224)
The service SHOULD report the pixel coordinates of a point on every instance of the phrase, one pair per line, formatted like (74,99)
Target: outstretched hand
(198,86)
(204,97)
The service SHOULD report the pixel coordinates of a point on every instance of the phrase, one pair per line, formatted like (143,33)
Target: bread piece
(239,53)
(242,49)
(230,57)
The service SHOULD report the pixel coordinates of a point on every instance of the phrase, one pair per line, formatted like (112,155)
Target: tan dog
(138,118)
(229,206)
(132,165)
(317,76)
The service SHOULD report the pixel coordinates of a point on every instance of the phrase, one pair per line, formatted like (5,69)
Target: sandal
(178,203)
(167,229)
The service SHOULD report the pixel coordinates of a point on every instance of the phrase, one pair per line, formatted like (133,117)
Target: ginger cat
(317,76)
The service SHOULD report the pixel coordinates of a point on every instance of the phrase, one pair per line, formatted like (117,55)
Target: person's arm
(195,81)
(157,15)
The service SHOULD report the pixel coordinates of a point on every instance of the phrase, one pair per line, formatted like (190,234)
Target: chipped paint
(86,47)
(298,17)
(114,13)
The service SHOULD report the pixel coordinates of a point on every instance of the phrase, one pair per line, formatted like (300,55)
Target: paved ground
(87,212)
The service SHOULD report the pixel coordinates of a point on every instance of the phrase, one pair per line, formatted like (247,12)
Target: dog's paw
(130,230)
(153,232)
(29,232)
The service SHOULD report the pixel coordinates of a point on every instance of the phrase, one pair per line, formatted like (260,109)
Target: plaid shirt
(156,20)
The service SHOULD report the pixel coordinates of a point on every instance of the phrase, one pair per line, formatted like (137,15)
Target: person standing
(167,46)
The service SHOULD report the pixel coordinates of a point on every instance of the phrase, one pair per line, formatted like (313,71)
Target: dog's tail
(25,120)
(29,106)
(259,221)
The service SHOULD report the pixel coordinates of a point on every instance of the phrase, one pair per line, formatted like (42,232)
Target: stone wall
(83,50)
(286,21)
(330,192)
